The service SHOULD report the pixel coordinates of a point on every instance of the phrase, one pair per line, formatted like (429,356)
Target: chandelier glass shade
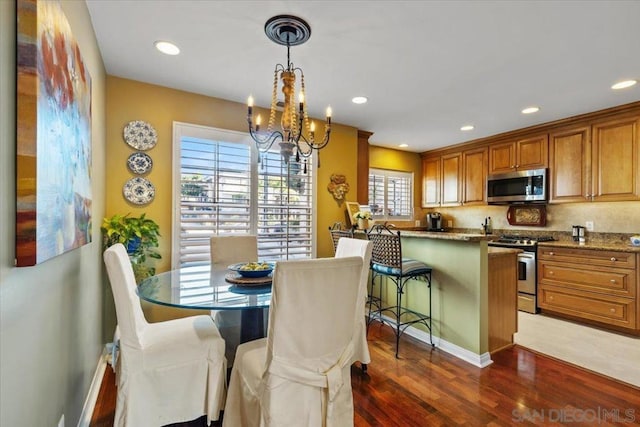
(297,134)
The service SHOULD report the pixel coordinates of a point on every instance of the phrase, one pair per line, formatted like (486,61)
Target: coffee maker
(434,221)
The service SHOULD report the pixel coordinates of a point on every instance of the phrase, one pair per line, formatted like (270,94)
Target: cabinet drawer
(588,256)
(612,310)
(620,282)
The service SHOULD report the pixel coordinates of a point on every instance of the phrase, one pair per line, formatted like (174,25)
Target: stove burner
(515,240)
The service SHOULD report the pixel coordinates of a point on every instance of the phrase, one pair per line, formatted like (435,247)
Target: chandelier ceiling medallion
(297,132)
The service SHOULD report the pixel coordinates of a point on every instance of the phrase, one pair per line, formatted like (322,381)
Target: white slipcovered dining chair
(359,247)
(227,250)
(300,375)
(168,372)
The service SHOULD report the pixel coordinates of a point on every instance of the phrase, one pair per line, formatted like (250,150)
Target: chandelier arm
(263,144)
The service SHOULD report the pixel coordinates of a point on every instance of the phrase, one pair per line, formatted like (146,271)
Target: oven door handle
(526,255)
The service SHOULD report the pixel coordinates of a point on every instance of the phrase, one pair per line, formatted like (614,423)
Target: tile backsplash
(607,217)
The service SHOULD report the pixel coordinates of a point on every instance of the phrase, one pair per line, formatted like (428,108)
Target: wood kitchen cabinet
(598,162)
(451,180)
(524,154)
(430,182)
(569,165)
(442,180)
(503,297)
(474,176)
(595,285)
(616,160)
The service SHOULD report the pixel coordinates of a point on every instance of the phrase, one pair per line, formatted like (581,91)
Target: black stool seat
(387,262)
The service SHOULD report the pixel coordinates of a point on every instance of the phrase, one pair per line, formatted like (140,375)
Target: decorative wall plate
(139,163)
(535,215)
(140,135)
(139,191)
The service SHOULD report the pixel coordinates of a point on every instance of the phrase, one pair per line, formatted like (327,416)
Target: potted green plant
(139,235)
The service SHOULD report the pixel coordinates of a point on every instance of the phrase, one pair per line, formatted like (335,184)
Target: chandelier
(297,133)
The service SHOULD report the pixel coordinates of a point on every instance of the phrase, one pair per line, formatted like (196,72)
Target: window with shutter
(221,189)
(390,194)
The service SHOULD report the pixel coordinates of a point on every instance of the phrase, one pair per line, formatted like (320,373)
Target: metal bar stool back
(337,231)
(387,262)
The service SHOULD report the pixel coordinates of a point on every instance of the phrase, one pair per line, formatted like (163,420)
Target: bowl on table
(635,240)
(253,269)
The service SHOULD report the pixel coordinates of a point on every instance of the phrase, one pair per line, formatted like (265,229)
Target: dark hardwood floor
(428,387)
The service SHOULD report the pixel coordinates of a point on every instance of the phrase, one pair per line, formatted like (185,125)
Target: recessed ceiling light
(359,100)
(403,145)
(530,110)
(167,48)
(467,127)
(624,84)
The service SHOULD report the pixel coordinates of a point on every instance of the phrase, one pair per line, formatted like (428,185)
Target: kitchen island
(461,297)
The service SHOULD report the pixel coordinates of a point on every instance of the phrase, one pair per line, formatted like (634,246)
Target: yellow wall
(129,100)
(387,158)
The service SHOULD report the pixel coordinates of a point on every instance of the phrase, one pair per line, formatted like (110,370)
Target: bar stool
(337,231)
(387,262)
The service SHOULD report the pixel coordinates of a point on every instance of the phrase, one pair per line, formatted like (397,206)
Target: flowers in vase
(362,215)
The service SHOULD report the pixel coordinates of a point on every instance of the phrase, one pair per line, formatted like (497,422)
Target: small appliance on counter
(577,232)
(434,222)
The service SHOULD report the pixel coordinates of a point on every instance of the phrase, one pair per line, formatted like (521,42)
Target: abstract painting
(53,136)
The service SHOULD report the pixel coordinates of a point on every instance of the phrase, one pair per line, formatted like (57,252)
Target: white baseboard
(94,390)
(479,360)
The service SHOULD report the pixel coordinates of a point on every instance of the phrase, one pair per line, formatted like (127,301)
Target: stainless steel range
(527,268)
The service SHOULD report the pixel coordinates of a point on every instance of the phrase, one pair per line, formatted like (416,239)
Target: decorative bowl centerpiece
(635,240)
(253,269)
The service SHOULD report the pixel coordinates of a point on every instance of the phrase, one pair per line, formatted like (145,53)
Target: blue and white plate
(139,163)
(140,135)
(139,191)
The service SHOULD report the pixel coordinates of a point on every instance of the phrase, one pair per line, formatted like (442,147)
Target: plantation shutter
(223,190)
(391,194)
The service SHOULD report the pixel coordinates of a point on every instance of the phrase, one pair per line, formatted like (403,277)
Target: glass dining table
(200,287)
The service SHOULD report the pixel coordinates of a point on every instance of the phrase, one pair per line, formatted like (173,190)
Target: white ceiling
(427,67)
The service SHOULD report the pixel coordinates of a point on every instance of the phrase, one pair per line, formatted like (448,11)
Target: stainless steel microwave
(528,186)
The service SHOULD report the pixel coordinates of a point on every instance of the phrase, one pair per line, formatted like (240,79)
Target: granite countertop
(615,245)
(444,235)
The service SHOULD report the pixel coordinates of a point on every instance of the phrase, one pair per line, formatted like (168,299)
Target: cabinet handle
(613,280)
(513,166)
(613,310)
(552,253)
(613,258)
(551,298)
(550,272)
(517,166)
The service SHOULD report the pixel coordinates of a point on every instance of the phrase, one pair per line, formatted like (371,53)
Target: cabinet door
(474,176)
(430,182)
(452,179)
(615,160)
(569,160)
(532,153)
(502,158)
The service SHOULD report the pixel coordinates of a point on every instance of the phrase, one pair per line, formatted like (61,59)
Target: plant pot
(133,245)
(363,224)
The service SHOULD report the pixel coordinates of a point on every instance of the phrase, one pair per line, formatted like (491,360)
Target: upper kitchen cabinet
(528,153)
(474,169)
(615,160)
(569,165)
(451,180)
(430,182)
(442,180)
